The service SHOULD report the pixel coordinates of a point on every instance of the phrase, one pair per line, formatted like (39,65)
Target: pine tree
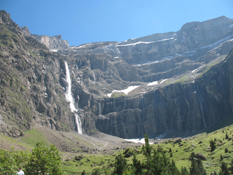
(120,165)
(212,145)
(184,171)
(231,168)
(197,167)
(224,169)
(137,166)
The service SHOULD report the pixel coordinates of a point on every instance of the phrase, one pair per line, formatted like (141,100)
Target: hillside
(183,90)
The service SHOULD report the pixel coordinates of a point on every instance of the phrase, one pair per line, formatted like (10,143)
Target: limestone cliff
(177,81)
(51,42)
(30,92)
(179,107)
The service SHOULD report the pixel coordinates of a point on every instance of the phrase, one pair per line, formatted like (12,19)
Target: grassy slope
(180,151)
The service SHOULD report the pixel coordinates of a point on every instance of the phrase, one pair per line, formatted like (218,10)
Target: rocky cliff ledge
(187,91)
(51,42)
(179,107)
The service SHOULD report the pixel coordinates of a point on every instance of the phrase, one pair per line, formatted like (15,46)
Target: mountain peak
(5,17)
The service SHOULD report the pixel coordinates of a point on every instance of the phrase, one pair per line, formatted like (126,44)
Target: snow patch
(144,42)
(152,83)
(138,141)
(82,46)
(194,70)
(53,50)
(146,63)
(125,91)
(163,81)
(133,44)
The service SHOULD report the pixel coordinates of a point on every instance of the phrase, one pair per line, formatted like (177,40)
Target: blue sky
(84,21)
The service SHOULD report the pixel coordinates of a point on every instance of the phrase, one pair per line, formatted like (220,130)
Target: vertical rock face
(52,43)
(183,80)
(177,107)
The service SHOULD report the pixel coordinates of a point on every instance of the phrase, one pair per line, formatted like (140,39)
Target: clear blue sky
(84,21)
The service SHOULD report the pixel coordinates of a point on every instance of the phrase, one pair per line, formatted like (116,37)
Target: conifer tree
(197,167)
(120,165)
(224,169)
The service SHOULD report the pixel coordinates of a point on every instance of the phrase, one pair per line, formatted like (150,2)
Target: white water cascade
(99,105)
(94,76)
(201,108)
(70,99)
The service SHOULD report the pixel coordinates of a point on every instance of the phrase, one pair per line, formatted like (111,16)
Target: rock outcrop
(177,107)
(51,42)
(30,92)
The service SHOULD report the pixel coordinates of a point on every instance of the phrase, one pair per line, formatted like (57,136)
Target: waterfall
(201,108)
(70,99)
(99,105)
(94,76)
(143,105)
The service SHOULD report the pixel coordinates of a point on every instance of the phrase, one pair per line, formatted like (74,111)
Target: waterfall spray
(99,106)
(70,99)
(201,108)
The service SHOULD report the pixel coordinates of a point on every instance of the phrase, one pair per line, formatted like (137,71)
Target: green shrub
(11,160)
(44,160)
(212,145)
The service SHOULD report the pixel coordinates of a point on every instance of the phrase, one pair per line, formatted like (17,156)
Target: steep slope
(185,92)
(29,83)
(182,107)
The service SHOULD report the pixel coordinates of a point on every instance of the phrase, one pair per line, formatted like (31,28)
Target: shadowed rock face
(192,81)
(177,107)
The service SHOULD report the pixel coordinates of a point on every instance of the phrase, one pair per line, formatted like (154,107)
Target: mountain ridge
(169,94)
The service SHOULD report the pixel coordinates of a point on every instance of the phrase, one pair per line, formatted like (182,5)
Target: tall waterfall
(99,105)
(94,76)
(70,99)
(201,108)
(143,106)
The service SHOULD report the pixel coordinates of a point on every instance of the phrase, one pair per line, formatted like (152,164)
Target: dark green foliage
(120,165)
(147,148)
(156,162)
(231,168)
(184,171)
(226,150)
(221,157)
(227,136)
(44,160)
(197,167)
(97,171)
(11,160)
(224,169)
(220,173)
(128,152)
(212,145)
(137,166)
